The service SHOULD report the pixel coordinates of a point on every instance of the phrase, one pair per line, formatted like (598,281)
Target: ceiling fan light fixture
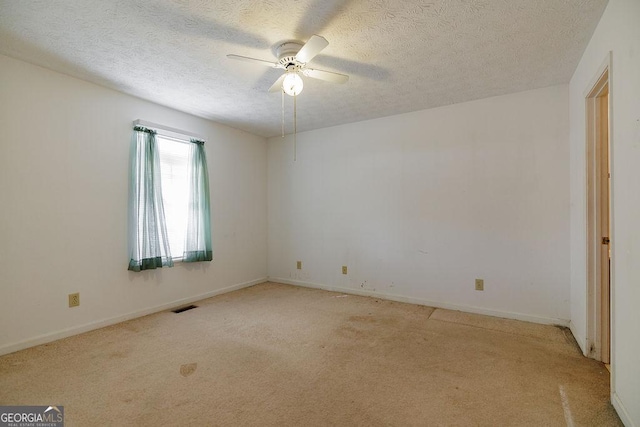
(292,84)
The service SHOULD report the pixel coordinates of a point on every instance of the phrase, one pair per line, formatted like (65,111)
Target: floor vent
(181,309)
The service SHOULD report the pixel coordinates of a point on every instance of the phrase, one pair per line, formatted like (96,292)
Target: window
(174,171)
(169,213)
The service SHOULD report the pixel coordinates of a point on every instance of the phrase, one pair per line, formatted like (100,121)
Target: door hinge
(605,241)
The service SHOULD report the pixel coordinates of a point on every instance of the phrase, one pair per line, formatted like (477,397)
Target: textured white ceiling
(401,55)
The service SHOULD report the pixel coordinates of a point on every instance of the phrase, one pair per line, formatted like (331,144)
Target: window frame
(173,134)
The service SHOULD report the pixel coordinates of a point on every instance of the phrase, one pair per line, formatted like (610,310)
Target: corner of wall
(580,339)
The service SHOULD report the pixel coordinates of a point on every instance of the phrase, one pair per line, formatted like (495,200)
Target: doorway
(599,217)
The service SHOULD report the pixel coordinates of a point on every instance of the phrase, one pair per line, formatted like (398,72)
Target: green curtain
(197,245)
(148,240)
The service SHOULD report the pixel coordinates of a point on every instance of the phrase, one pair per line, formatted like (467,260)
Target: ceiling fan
(293,57)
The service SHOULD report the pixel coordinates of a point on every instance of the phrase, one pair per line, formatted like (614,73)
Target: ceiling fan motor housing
(287,55)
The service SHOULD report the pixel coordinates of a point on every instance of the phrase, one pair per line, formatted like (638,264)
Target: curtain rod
(168,131)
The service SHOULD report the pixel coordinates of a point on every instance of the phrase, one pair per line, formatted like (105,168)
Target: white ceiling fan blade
(277,86)
(327,76)
(311,48)
(254,61)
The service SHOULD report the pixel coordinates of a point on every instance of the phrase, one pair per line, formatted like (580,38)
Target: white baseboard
(622,411)
(420,301)
(53,336)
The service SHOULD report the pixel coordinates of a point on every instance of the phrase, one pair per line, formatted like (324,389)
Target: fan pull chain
(282,112)
(295,128)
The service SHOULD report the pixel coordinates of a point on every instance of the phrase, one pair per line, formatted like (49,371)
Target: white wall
(418,205)
(619,32)
(64,162)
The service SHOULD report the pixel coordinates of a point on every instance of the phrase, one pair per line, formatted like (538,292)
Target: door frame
(600,301)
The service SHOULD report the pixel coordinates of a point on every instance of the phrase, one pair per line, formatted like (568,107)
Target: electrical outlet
(479,285)
(344,269)
(299,265)
(74,299)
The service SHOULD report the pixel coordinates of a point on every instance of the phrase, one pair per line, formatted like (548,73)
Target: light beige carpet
(281,355)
